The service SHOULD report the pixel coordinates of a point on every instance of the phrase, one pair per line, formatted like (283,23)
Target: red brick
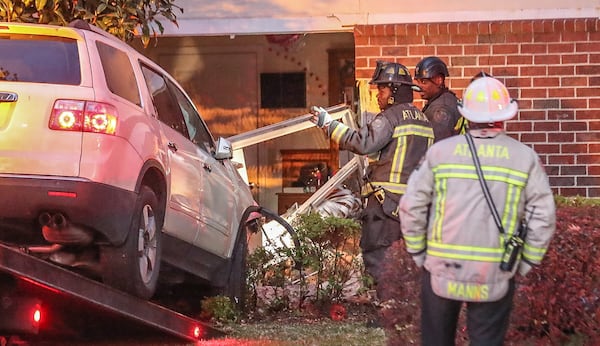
(546,148)
(360,40)
(411,29)
(594,102)
(436,39)
(561,92)
(587,47)
(561,47)
(492,60)
(533,71)
(561,70)
(574,36)
(573,126)
(574,149)
(421,50)
(519,126)
(519,38)
(519,59)
(500,71)
(383,40)
(367,51)
(449,50)
(409,40)
(546,126)
(579,24)
(552,170)
(561,114)
(594,125)
(587,69)
(574,81)
(594,170)
(491,38)
(562,181)
(517,82)
(572,192)
(593,193)
(588,137)
(588,159)
(422,29)
(594,81)
(588,181)
(587,92)
(546,59)
(463,29)
(546,37)
(477,49)
(484,27)
(561,159)
(400,30)
(394,51)
(361,62)
(574,59)
(546,82)
(534,138)
(533,93)
(534,48)
(463,39)
(561,137)
(573,170)
(573,103)
(505,49)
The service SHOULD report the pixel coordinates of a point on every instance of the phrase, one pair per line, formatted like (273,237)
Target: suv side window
(118,72)
(167,109)
(198,132)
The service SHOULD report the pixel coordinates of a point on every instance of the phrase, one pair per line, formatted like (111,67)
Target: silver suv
(107,167)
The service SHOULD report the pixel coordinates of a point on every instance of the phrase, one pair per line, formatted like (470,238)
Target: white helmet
(486,100)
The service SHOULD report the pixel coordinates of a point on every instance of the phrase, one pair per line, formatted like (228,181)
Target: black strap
(484,187)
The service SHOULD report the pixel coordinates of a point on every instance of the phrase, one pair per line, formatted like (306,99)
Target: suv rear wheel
(134,266)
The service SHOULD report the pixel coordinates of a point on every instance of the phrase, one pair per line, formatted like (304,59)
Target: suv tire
(134,266)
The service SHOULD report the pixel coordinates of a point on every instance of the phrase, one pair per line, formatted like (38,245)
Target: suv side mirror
(224,150)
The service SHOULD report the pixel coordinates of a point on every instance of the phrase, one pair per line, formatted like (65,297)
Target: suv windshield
(39,59)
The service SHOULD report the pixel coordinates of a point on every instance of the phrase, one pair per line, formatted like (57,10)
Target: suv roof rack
(82,24)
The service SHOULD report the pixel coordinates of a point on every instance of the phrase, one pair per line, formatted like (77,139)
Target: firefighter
(399,136)
(440,106)
(449,228)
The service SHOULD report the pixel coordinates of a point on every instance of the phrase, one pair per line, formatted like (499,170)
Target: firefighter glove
(524,268)
(320,117)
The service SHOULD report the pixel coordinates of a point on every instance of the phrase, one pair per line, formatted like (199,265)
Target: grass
(313,333)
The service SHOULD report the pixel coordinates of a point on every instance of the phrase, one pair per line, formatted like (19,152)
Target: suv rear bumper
(100,207)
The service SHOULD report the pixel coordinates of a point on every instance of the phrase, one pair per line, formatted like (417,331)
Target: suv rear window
(39,59)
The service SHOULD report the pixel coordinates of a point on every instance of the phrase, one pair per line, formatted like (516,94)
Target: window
(118,73)
(197,130)
(166,106)
(283,90)
(36,59)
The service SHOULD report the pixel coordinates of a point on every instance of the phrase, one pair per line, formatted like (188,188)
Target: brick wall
(552,67)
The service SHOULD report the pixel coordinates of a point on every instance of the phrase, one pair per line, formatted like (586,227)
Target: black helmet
(430,67)
(391,73)
(397,77)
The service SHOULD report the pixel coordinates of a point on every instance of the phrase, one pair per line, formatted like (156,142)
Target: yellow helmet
(486,100)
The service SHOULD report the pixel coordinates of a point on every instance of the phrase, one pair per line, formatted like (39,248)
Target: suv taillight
(86,116)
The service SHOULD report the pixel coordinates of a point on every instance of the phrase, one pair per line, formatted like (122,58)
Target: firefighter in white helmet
(449,228)
(399,137)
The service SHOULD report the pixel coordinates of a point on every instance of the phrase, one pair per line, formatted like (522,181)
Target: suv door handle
(172,146)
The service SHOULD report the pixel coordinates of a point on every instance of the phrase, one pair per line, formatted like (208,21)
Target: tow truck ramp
(64,285)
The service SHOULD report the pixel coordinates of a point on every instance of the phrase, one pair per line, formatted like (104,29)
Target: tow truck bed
(35,277)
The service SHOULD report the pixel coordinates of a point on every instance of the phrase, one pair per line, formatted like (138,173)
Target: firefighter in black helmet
(441,106)
(398,137)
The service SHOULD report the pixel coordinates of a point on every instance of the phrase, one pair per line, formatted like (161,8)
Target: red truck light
(86,116)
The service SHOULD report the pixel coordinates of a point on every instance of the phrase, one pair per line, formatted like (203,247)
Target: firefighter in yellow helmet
(450,229)
(399,136)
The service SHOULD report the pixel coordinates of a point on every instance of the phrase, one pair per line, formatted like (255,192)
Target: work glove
(419,259)
(524,268)
(320,117)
